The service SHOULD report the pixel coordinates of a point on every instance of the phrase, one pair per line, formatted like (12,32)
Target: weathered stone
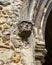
(16,58)
(6,32)
(1,62)
(25,28)
(1,7)
(21,35)
(4,2)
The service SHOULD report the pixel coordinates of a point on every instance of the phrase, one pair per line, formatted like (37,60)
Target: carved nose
(27,25)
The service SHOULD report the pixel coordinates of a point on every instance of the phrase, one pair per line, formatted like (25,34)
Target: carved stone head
(25,29)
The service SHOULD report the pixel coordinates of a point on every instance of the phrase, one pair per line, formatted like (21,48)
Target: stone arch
(46,31)
(46,14)
(42,12)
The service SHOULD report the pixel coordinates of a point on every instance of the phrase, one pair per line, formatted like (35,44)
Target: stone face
(25,29)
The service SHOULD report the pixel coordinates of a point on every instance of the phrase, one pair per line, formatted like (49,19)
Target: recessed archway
(48,40)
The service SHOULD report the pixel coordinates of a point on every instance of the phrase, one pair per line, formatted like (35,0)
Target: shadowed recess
(48,40)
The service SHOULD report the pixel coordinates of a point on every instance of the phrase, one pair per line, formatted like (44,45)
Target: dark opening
(48,40)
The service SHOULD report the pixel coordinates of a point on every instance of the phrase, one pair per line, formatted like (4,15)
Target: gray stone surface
(22,44)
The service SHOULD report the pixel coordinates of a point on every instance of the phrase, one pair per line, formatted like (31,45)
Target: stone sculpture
(20,39)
